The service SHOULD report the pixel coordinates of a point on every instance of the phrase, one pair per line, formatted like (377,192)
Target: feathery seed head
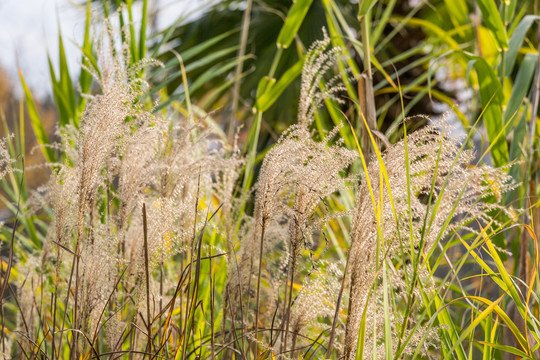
(446,194)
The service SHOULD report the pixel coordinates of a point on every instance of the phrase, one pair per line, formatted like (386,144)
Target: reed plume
(123,156)
(6,160)
(447,193)
(299,172)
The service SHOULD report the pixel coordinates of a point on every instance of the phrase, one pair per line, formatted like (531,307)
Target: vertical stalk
(75,269)
(366,96)
(160,297)
(142,34)
(190,275)
(289,304)
(528,178)
(366,45)
(296,239)
(281,332)
(212,289)
(252,153)
(239,67)
(502,69)
(147,266)
(336,313)
(257,302)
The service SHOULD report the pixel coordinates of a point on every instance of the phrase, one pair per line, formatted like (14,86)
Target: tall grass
(157,236)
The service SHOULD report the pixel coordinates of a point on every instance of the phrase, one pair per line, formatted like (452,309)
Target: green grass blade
(510,10)
(521,87)
(85,78)
(365,6)
(492,100)
(505,348)
(389,353)
(36,122)
(65,80)
(388,9)
(60,97)
(269,97)
(474,323)
(213,73)
(494,307)
(488,327)
(131,27)
(516,40)
(493,21)
(295,17)
(195,65)
(142,34)
(458,11)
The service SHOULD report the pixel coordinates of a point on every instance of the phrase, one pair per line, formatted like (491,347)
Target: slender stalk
(289,304)
(66,302)
(76,306)
(142,34)
(147,266)
(54,305)
(160,330)
(188,302)
(212,289)
(502,69)
(257,298)
(252,153)
(281,334)
(239,67)
(336,313)
(365,86)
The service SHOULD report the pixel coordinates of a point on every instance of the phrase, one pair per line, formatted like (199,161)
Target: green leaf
(37,125)
(295,17)
(60,97)
(492,306)
(271,95)
(131,27)
(492,98)
(383,20)
(64,81)
(85,78)
(387,321)
(142,34)
(493,21)
(510,10)
(265,84)
(516,40)
(192,52)
(365,6)
(516,196)
(520,88)
(214,72)
(506,348)
(208,59)
(203,47)
(440,34)
(458,11)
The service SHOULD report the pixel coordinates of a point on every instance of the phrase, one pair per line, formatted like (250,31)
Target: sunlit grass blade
(516,41)
(493,21)
(272,93)
(37,124)
(294,19)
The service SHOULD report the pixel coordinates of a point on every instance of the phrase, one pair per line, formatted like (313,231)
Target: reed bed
(157,236)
